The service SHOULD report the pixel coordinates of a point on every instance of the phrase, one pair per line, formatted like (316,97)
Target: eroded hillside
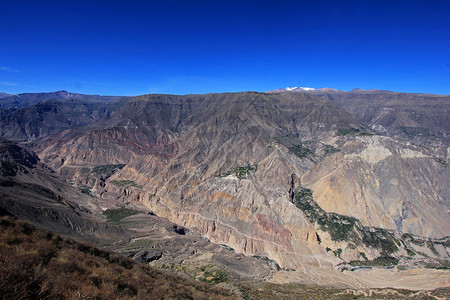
(227,165)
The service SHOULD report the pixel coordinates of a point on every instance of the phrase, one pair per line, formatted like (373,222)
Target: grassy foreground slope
(36,264)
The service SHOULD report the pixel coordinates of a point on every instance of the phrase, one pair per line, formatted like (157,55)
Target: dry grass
(35,264)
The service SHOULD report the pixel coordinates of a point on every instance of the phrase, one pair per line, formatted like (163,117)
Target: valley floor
(378,278)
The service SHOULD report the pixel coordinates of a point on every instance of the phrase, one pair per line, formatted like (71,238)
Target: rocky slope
(289,176)
(34,116)
(419,118)
(30,191)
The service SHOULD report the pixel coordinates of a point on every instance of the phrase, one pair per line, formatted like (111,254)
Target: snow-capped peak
(299,88)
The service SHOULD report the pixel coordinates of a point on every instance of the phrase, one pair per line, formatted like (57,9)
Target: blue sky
(179,47)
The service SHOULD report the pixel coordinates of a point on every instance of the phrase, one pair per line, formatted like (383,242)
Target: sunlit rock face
(229,166)
(385,183)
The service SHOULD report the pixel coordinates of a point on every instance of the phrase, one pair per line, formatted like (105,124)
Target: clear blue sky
(179,47)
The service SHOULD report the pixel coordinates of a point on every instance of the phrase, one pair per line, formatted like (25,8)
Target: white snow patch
(299,88)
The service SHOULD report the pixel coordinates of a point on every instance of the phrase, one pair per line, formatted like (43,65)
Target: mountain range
(298,179)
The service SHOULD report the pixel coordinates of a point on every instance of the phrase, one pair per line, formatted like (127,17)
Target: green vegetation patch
(328,149)
(352,132)
(313,151)
(377,262)
(430,246)
(416,241)
(240,172)
(126,184)
(439,264)
(337,252)
(217,276)
(363,255)
(106,170)
(87,190)
(442,161)
(381,239)
(302,151)
(115,215)
(346,228)
(412,132)
(273,264)
(211,274)
(340,227)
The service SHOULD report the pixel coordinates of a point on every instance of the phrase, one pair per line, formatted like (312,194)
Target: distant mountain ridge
(330,90)
(2,95)
(27,99)
(26,117)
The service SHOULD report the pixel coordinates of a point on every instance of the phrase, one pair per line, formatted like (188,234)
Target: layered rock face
(385,183)
(234,167)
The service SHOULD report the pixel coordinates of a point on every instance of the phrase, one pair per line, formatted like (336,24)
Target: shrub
(381,239)
(106,170)
(240,172)
(301,151)
(115,215)
(337,252)
(340,227)
(352,132)
(379,261)
(126,184)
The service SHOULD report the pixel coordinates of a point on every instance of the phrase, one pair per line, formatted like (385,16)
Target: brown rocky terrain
(295,179)
(418,118)
(30,191)
(150,239)
(228,166)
